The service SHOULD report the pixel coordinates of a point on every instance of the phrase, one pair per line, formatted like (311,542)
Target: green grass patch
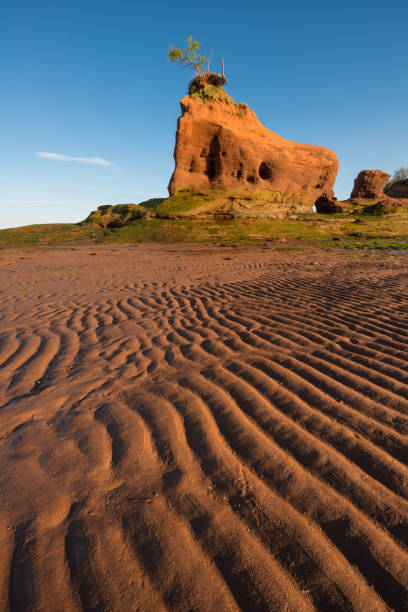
(51,233)
(190,202)
(374,244)
(212,92)
(107,216)
(330,231)
(187,202)
(335,233)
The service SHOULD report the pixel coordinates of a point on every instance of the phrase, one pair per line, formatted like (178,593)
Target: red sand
(203,429)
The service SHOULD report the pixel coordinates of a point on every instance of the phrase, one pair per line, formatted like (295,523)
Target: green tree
(189,56)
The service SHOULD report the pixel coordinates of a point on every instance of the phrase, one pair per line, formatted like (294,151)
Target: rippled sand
(202,429)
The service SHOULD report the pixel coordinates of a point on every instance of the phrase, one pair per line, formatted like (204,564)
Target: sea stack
(222,146)
(369,185)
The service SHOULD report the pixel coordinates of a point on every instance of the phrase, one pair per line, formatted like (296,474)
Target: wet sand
(203,428)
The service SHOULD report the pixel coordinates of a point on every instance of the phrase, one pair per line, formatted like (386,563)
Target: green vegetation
(215,93)
(380,208)
(189,56)
(212,92)
(187,203)
(191,203)
(107,216)
(50,233)
(341,231)
(207,85)
(334,231)
(374,244)
(222,230)
(400,176)
(114,216)
(194,216)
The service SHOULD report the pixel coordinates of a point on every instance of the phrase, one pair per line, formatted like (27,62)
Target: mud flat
(203,428)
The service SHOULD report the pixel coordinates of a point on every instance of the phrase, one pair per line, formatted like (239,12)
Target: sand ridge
(203,428)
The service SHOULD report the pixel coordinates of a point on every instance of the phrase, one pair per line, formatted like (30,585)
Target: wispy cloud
(84,160)
(9,201)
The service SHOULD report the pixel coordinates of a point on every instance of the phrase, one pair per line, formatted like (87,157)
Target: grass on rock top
(215,93)
(212,92)
(186,202)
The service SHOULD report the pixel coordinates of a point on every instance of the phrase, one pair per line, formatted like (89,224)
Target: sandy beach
(203,428)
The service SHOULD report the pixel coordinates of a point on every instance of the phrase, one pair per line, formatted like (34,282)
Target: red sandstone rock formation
(222,145)
(398,190)
(369,185)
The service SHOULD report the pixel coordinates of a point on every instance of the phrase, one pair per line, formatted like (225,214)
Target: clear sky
(90,79)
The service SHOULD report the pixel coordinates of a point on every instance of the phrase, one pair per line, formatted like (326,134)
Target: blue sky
(90,79)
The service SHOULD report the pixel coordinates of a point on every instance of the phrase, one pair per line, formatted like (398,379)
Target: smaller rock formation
(371,195)
(369,185)
(108,216)
(398,189)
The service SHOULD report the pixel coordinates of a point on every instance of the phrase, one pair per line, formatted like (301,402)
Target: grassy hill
(173,220)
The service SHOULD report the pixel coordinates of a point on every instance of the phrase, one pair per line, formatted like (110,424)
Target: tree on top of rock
(207,85)
(189,56)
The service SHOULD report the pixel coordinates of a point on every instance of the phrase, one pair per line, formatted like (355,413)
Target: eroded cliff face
(222,145)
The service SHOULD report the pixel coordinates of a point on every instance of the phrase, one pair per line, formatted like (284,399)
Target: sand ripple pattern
(219,430)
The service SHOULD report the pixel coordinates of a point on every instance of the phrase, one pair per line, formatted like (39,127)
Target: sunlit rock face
(223,146)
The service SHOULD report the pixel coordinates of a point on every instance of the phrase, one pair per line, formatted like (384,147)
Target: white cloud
(84,160)
(45,202)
